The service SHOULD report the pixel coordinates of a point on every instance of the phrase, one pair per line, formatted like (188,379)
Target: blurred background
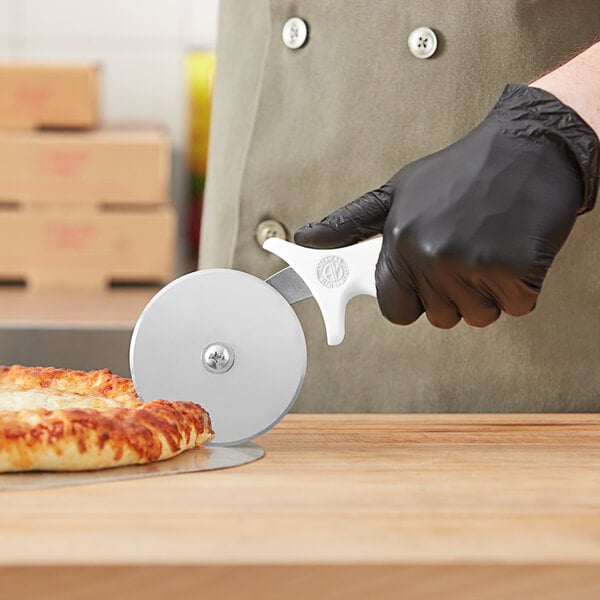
(104,114)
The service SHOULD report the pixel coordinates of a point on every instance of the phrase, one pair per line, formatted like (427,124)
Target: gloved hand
(472,230)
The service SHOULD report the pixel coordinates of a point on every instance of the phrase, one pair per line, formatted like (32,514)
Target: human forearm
(577,84)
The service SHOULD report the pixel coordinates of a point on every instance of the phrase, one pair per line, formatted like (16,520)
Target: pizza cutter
(232,342)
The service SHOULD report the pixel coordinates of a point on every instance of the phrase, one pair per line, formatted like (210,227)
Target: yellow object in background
(200,71)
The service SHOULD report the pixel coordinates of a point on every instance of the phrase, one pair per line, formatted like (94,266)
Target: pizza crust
(62,420)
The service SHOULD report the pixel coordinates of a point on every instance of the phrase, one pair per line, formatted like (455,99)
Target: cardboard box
(34,95)
(89,249)
(106,166)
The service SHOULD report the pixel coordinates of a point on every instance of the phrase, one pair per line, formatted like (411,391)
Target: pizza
(63,420)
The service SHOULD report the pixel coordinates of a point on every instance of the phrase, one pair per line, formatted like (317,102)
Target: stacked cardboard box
(45,95)
(79,207)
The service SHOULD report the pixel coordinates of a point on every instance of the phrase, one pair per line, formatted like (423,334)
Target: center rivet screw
(218,358)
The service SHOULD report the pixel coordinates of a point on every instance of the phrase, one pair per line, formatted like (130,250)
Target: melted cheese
(13,398)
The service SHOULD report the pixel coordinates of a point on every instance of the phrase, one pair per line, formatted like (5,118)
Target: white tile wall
(6,48)
(101,19)
(193,21)
(199,22)
(6,17)
(141,45)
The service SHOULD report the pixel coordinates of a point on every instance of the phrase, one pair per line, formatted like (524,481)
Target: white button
(422,42)
(268,229)
(294,33)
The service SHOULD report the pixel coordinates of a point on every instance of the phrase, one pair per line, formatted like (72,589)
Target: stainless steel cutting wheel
(226,340)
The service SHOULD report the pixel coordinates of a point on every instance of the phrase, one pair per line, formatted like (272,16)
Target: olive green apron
(296,133)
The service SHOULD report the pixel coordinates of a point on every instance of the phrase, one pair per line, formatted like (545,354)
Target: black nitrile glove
(473,229)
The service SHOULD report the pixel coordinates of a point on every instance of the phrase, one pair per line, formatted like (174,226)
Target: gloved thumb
(361,219)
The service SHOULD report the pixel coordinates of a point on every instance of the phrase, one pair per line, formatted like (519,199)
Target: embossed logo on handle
(333,271)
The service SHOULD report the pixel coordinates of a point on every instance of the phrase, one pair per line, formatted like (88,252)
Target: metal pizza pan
(199,459)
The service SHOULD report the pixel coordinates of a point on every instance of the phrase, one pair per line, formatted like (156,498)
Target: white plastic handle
(333,276)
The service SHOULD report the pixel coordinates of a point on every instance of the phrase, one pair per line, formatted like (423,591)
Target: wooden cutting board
(342,506)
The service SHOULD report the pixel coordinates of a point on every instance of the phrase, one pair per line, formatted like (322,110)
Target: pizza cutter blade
(232,342)
(226,340)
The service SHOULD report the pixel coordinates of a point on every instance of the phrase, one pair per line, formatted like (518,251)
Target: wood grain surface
(467,499)
(418,582)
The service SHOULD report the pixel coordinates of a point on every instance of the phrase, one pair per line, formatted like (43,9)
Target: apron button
(422,42)
(268,229)
(294,33)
